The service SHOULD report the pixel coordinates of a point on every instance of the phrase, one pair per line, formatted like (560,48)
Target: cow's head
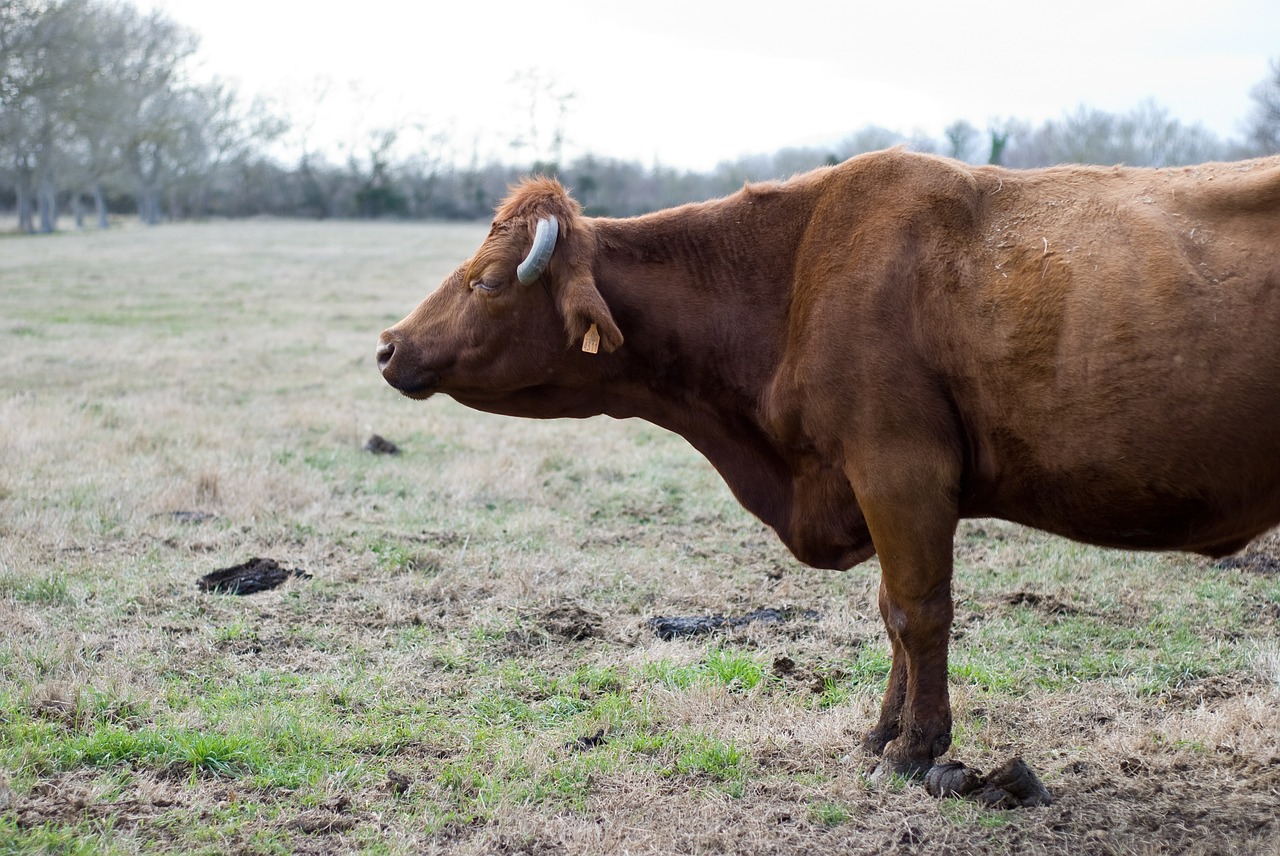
(512,318)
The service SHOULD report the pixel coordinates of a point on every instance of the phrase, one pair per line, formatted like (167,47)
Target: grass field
(468,668)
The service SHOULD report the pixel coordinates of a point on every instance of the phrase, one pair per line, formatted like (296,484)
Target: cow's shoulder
(912,171)
(897,190)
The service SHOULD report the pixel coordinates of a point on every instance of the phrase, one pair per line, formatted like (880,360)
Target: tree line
(96,109)
(99,116)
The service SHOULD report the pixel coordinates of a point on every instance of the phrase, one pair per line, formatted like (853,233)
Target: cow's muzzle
(399,370)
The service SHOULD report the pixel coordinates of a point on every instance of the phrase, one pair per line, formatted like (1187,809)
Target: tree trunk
(25,221)
(100,204)
(26,210)
(77,209)
(148,194)
(47,204)
(149,206)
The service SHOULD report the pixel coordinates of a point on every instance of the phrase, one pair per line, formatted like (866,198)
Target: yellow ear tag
(591,341)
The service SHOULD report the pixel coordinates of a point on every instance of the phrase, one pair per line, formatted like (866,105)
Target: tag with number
(591,341)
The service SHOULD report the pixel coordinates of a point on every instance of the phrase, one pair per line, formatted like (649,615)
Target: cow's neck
(702,296)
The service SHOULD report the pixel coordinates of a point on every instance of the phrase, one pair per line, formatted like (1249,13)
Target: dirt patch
(671,627)
(252,644)
(380,445)
(187,516)
(322,823)
(1174,802)
(571,622)
(1041,603)
(565,622)
(249,577)
(1253,563)
(66,800)
(398,783)
(587,742)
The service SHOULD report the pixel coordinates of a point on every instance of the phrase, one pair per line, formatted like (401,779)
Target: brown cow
(869,352)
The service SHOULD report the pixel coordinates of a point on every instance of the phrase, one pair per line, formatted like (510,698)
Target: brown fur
(870,352)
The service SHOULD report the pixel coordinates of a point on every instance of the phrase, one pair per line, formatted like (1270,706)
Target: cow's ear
(582,307)
(579,300)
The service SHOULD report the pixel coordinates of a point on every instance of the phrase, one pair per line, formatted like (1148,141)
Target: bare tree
(1001,131)
(107,44)
(376,196)
(1145,136)
(963,141)
(227,136)
(546,104)
(869,139)
(156,120)
(319,184)
(422,169)
(1263,134)
(88,86)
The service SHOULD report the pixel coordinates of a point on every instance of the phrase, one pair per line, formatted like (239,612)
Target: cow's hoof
(890,767)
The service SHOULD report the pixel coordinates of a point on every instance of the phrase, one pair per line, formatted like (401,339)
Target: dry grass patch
(469,668)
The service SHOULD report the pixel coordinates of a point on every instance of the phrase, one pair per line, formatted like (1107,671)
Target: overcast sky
(690,83)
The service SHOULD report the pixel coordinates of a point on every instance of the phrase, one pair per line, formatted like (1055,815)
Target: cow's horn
(544,242)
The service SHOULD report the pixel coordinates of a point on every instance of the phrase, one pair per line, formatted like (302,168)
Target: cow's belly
(1161,466)
(1215,518)
(1172,526)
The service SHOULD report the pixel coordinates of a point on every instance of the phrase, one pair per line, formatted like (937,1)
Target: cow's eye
(481,285)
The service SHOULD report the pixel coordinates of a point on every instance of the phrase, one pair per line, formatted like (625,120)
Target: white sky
(691,83)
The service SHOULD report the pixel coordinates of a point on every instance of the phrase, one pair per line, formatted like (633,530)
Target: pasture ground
(468,668)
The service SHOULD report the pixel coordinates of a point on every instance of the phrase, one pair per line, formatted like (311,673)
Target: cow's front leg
(913,537)
(920,623)
(890,724)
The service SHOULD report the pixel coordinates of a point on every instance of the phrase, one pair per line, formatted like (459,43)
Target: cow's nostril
(385,350)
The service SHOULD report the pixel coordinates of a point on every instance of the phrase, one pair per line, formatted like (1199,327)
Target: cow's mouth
(423,391)
(419,388)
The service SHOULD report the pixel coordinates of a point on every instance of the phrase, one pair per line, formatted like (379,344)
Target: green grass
(48,590)
(830,813)
(704,756)
(738,672)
